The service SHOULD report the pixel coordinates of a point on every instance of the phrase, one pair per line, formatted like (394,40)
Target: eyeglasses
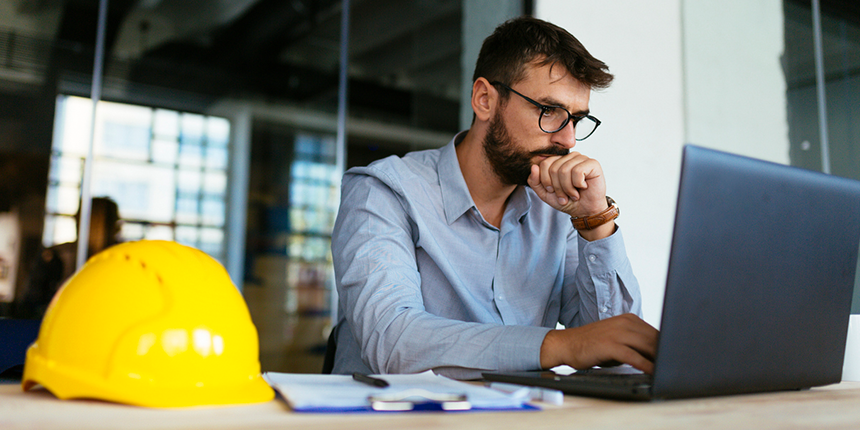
(555,118)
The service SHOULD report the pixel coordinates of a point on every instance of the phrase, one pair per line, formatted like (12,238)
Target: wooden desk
(836,406)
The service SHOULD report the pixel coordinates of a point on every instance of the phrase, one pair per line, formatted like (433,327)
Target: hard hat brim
(66,384)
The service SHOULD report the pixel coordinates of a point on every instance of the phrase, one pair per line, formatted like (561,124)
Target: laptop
(758,293)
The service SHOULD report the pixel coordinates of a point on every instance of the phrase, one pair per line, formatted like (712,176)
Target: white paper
(314,392)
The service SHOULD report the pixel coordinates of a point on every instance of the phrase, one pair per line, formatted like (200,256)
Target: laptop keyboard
(624,379)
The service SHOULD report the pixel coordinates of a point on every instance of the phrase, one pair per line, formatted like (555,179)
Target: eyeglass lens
(553,119)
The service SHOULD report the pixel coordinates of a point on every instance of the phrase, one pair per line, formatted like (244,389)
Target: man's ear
(484,99)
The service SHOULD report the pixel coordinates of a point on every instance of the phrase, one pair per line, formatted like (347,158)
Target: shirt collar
(519,203)
(456,198)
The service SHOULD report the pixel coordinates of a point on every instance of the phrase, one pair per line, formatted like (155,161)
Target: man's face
(514,141)
(509,161)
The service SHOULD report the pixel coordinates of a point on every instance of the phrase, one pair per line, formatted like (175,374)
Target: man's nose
(565,137)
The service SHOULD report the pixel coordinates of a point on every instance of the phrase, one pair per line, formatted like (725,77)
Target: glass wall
(191,92)
(840,55)
(841,61)
(289,280)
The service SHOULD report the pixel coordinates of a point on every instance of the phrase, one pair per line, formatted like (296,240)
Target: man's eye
(549,111)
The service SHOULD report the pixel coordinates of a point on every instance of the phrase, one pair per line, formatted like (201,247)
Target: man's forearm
(418,341)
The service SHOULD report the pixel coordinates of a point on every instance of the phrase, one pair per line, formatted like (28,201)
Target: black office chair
(16,335)
(331,346)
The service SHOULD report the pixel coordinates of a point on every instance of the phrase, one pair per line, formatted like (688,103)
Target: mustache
(552,150)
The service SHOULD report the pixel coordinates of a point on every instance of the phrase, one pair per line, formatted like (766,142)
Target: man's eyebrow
(549,101)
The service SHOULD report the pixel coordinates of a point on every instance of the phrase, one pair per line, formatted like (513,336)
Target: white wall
(686,71)
(734,86)
(642,132)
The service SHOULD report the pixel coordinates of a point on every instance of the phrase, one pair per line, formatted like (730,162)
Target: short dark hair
(520,41)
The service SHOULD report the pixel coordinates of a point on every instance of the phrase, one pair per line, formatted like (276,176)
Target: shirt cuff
(520,348)
(603,256)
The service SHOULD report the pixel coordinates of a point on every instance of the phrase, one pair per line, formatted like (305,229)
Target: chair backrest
(331,346)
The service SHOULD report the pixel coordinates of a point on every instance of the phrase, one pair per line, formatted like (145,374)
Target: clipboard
(312,393)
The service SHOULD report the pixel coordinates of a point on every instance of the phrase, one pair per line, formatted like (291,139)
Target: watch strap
(594,221)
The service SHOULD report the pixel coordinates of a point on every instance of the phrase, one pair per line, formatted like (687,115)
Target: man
(464,258)
(57,263)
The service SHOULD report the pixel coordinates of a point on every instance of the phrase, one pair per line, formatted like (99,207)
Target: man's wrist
(600,225)
(549,351)
(596,220)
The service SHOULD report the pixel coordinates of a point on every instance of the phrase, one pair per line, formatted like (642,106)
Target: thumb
(534,182)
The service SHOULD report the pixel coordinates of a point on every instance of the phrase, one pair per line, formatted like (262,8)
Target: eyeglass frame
(544,107)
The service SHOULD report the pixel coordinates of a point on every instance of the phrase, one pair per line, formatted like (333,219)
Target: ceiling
(404,56)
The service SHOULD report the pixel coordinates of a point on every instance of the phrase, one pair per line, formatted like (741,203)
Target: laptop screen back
(760,278)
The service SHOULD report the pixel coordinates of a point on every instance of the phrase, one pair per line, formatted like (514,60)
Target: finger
(534,176)
(631,332)
(545,179)
(535,182)
(643,345)
(638,334)
(638,361)
(644,330)
(636,325)
(573,171)
(567,177)
(551,181)
(615,354)
(582,172)
(559,184)
(634,321)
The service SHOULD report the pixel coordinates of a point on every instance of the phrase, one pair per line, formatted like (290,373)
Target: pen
(376,382)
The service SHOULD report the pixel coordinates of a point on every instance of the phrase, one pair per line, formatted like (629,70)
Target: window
(166,170)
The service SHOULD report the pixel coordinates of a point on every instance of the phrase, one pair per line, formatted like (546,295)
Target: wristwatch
(594,221)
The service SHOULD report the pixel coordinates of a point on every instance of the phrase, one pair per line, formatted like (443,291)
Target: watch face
(611,202)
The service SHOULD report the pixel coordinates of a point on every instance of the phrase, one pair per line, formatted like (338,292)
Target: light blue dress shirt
(424,282)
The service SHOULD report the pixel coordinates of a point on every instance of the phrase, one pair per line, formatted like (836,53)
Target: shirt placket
(500,283)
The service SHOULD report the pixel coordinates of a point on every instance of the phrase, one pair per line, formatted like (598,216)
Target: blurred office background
(217,124)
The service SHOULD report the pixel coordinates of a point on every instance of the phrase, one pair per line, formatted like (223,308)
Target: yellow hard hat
(149,323)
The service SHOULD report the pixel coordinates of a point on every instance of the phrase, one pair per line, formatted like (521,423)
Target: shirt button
(604,309)
(592,258)
(501,297)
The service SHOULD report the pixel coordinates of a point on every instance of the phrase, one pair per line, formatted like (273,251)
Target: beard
(511,164)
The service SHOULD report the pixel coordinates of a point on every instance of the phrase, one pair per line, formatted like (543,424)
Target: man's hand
(621,339)
(573,184)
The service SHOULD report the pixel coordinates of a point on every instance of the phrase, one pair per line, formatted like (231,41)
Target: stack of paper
(425,391)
